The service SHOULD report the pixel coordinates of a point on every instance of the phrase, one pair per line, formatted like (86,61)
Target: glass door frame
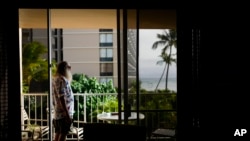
(122,25)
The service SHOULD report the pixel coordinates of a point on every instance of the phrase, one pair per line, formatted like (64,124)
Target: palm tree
(167,40)
(165,58)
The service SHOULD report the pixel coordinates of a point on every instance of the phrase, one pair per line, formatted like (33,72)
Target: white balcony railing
(88,105)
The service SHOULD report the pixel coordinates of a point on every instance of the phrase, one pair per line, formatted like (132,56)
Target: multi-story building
(89,51)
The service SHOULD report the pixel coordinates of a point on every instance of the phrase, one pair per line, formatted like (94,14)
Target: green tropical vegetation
(34,64)
(82,83)
(95,104)
(162,100)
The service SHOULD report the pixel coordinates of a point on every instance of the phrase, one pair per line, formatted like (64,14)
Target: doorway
(105,46)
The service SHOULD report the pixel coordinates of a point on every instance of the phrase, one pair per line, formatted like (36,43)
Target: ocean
(150,83)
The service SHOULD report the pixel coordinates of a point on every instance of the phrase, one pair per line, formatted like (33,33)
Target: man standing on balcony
(63,101)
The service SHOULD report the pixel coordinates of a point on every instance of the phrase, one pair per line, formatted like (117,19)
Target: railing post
(85,111)
(22,107)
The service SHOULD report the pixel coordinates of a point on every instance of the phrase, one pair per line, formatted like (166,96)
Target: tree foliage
(35,64)
(95,104)
(82,83)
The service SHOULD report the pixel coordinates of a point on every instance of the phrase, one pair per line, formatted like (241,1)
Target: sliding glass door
(121,67)
(34,38)
(148,74)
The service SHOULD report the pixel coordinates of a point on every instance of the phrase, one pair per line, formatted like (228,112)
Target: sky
(148,57)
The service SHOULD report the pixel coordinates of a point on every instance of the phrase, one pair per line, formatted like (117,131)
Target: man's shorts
(61,126)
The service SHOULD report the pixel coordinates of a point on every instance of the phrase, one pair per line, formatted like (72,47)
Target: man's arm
(63,102)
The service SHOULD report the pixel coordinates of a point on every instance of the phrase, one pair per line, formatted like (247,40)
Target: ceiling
(95,18)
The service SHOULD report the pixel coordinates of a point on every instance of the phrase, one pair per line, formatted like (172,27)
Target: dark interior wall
(3,86)
(10,77)
(212,72)
(223,71)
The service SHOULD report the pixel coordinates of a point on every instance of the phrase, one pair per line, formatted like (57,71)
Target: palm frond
(158,43)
